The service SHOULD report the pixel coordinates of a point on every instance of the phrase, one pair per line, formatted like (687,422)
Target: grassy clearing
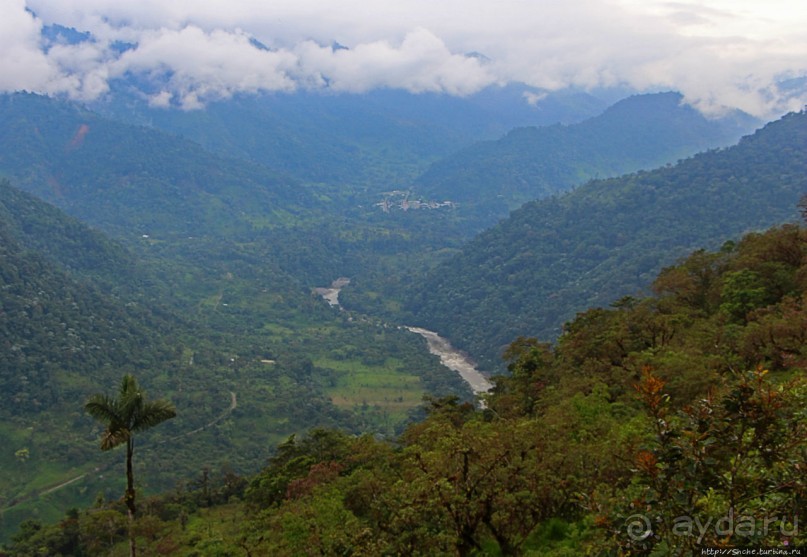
(386,387)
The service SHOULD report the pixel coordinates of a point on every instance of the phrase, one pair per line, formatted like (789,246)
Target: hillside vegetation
(642,424)
(607,239)
(245,364)
(195,272)
(489,179)
(132,180)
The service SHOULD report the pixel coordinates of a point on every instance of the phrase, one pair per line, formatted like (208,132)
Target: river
(454,360)
(449,356)
(331,293)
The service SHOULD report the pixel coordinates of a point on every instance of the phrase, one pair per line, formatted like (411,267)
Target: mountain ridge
(606,238)
(491,178)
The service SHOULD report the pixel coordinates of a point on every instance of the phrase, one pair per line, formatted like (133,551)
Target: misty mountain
(608,238)
(491,178)
(131,180)
(380,139)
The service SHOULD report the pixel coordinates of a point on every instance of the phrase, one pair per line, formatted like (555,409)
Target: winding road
(51,489)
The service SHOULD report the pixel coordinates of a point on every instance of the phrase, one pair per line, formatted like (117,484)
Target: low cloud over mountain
(186,53)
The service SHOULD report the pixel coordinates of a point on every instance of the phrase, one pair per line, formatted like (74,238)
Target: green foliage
(724,472)
(742,292)
(610,238)
(492,178)
(214,308)
(293,461)
(641,432)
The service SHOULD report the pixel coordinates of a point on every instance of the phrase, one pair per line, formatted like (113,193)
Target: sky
(720,54)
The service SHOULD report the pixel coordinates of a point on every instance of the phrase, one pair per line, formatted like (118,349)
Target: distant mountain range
(377,140)
(131,180)
(607,239)
(491,178)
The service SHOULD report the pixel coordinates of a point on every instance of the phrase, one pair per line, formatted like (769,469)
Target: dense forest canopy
(79,309)
(197,273)
(642,424)
(607,239)
(489,179)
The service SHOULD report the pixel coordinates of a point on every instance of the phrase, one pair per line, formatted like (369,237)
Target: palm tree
(124,416)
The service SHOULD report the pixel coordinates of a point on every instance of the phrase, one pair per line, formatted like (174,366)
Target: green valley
(641,420)
(196,272)
(428,279)
(607,239)
(245,367)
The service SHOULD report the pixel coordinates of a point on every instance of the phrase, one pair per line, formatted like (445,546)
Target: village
(400,199)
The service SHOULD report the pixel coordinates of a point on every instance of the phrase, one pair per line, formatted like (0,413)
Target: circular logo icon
(638,527)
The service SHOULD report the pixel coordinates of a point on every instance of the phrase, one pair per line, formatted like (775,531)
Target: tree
(124,416)
(725,471)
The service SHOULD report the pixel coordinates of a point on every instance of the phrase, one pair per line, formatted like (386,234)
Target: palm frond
(131,406)
(114,437)
(130,398)
(153,413)
(127,413)
(127,385)
(103,408)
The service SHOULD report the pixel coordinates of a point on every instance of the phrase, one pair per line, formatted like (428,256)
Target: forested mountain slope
(42,227)
(131,180)
(171,199)
(667,425)
(378,140)
(78,310)
(60,329)
(607,239)
(163,196)
(491,178)
(72,317)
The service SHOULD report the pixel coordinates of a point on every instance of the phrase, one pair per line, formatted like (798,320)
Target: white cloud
(195,66)
(420,63)
(534,98)
(23,65)
(717,52)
